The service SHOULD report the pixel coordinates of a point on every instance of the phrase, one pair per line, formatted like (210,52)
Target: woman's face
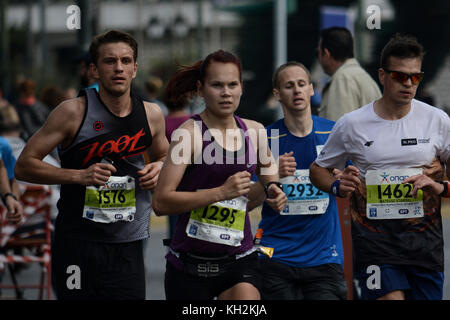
(222,88)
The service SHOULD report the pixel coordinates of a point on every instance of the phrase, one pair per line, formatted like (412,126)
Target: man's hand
(97,174)
(422,181)
(336,173)
(349,181)
(276,198)
(287,164)
(149,175)
(15,210)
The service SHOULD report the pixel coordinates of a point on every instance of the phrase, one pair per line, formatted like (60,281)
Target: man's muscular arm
(158,150)
(60,128)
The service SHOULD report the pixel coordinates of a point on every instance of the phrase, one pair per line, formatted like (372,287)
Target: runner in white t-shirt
(399,147)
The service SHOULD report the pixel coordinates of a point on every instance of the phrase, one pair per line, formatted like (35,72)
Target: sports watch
(277,183)
(8,194)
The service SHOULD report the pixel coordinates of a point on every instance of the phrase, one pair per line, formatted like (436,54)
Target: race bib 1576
(114,202)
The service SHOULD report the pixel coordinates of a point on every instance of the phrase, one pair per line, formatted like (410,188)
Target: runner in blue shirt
(307,255)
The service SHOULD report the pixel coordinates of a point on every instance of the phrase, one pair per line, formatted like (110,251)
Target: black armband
(445,193)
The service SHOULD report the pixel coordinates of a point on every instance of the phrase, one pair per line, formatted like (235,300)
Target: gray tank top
(120,139)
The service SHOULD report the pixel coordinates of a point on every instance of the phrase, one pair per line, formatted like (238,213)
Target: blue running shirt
(303,240)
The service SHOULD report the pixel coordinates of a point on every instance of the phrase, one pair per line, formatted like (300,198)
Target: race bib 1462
(388,198)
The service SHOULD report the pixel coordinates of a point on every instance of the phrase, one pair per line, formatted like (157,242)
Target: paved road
(155,264)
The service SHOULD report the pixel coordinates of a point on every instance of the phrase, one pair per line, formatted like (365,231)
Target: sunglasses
(402,77)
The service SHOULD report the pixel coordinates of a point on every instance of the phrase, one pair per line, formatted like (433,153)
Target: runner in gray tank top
(105,202)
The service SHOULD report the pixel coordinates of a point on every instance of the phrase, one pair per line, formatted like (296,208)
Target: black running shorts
(87,270)
(180,285)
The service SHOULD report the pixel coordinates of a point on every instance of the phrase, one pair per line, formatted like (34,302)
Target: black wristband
(444,193)
(8,194)
(266,188)
(335,188)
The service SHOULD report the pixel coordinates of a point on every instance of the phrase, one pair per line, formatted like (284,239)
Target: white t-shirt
(372,143)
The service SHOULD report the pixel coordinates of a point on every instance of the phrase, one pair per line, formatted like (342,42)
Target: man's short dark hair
(112,36)
(338,41)
(402,47)
(276,74)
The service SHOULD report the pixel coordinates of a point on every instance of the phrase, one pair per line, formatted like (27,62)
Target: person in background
(350,86)
(53,95)
(32,112)
(177,115)
(86,75)
(10,130)
(9,187)
(153,88)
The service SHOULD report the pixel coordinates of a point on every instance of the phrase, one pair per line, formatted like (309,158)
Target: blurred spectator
(153,88)
(8,115)
(9,162)
(176,116)
(270,111)
(11,145)
(315,100)
(87,79)
(32,112)
(52,96)
(70,93)
(426,96)
(178,113)
(350,86)
(195,105)
(10,130)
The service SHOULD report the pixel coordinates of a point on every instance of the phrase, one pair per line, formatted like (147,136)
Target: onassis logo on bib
(312,208)
(387,178)
(403,211)
(301,179)
(116,185)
